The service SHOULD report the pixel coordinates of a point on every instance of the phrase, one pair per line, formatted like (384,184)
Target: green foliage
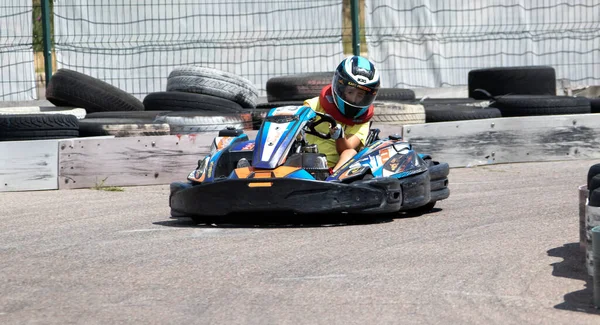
(38,32)
(101,187)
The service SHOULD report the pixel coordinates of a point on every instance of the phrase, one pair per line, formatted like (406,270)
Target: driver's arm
(342,144)
(354,137)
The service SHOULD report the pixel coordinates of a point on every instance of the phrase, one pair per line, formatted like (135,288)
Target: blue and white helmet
(355,85)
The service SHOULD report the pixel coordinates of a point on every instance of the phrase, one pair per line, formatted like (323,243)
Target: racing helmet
(354,86)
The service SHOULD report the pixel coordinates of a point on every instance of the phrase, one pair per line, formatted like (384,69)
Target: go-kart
(280,171)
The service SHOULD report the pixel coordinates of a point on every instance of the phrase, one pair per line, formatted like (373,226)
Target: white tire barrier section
(80,113)
(508,139)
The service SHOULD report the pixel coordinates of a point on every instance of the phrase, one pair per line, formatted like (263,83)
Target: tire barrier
(181,101)
(500,81)
(213,82)
(533,105)
(68,88)
(297,87)
(79,113)
(204,91)
(38,127)
(445,113)
(391,112)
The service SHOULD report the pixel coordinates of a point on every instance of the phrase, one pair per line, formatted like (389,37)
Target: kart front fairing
(268,151)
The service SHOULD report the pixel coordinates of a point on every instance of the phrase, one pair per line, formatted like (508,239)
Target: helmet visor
(352,93)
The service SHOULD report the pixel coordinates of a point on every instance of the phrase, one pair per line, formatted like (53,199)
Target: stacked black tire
(201,99)
(508,92)
(197,99)
(67,88)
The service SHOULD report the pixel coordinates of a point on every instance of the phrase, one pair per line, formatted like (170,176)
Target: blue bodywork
(382,158)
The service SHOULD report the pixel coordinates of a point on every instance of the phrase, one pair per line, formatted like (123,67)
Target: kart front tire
(425,208)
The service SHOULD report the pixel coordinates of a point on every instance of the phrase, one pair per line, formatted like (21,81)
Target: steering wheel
(324,118)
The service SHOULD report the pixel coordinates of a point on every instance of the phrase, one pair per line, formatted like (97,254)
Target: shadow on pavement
(573,267)
(283,220)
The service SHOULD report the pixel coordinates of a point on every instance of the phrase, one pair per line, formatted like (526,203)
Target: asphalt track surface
(503,249)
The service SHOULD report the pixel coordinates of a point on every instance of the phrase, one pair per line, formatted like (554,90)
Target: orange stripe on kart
(242,172)
(283,171)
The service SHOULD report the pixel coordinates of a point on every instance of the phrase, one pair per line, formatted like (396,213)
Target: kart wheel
(592,172)
(425,208)
(205,219)
(175,214)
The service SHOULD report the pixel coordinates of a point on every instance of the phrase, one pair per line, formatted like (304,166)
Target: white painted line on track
(316,277)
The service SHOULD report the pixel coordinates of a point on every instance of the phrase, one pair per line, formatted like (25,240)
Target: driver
(349,101)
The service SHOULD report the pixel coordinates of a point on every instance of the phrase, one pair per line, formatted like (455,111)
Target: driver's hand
(336,132)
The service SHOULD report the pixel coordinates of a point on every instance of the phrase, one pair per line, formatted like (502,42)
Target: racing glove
(336,132)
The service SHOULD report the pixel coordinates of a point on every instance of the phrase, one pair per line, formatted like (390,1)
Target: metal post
(355,27)
(47,42)
(596,259)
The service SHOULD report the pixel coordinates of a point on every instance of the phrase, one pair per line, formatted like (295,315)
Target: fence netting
(421,43)
(134,44)
(17,75)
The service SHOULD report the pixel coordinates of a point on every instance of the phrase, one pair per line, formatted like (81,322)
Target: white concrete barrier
(508,139)
(150,160)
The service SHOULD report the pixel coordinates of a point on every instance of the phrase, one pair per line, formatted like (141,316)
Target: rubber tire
(271,105)
(594,183)
(139,115)
(80,113)
(448,101)
(297,87)
(594,198)
(181,101)
(595,105)
(524,80)
(445,113)
(391,112)
(214,82)
(423,209)
(395,94)
(38,127)
(592,172)
(74,89)
(535,105)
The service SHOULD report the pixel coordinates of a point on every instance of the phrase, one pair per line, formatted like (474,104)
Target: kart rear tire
(195,219)
(592,172)
(175,214)
(424,209)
